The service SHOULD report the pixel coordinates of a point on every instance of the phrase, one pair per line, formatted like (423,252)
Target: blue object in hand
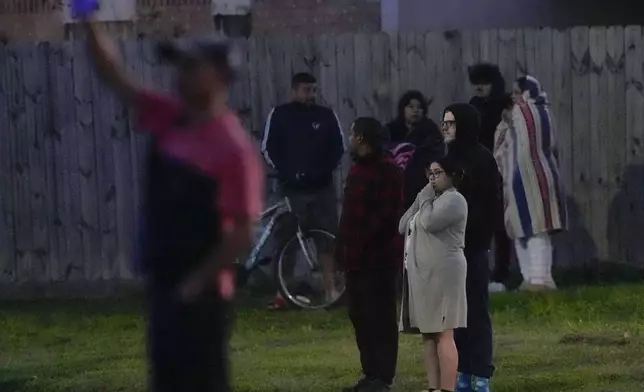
(83,8)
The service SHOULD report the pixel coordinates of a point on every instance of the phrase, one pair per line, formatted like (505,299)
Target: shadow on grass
(14,384)
(595,340)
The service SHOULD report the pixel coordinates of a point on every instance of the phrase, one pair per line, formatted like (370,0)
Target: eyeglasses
(434,174)
(447,124)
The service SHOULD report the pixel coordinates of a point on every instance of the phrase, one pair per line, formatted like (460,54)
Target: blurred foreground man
(204,191)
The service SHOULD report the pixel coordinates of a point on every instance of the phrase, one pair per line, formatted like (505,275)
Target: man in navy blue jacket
(303,142)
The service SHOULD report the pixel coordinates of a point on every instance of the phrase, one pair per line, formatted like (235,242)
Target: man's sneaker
(359,386)
(496,287)
(278,303)
(377,386)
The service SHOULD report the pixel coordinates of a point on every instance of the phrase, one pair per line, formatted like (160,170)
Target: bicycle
(308,241)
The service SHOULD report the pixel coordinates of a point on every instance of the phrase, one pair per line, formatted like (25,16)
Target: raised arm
(446,212)
(105,56)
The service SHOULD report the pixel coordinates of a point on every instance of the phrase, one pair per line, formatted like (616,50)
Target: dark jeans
(474,343)
(372,298)
(503,250)
(188,342)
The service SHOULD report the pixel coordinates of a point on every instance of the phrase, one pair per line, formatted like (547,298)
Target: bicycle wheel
(310,286)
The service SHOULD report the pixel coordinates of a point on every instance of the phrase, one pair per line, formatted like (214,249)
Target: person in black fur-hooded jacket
(489,87)
(490,100)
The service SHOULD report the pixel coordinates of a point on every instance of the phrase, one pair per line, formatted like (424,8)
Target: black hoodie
(490,108)
(482,183)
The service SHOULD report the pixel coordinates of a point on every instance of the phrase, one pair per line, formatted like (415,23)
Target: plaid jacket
(368,233)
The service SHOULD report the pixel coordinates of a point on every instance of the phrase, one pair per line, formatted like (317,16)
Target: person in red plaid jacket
(369,252)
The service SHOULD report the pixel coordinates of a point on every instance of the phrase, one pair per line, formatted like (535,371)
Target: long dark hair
(408,97)
(451,168)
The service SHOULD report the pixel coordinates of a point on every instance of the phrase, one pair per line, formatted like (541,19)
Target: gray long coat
(434,285)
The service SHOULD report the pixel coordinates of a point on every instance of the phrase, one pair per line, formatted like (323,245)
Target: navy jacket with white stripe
(303,144)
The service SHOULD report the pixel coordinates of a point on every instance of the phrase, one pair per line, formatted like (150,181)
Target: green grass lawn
(589,339)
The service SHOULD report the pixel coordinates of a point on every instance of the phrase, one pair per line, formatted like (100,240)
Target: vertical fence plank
(632,204)
(415,71)
(543,59)
(346,96)
(615,138)
(36,91)
(85,100)
(561,109)
(580,63)
(434,48)
(65,142)
(241,89)
(452,58)
(133,64)
(470,55)
(104,113)
(489,46)
(18,128)
(405,46)
(7,211)
(120,140)
(431,87)
(51,166)
(395,68)
(362,73)
(281,51)
(562,103)
(599,112)
(530,46)
(328,80)
(508,55)
(380,75)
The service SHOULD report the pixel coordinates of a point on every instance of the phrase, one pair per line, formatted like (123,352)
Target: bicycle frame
(275,212)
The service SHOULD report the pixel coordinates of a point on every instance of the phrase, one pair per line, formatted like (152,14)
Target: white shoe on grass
(496,287)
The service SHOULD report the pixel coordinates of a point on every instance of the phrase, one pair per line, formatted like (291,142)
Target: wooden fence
(70,165)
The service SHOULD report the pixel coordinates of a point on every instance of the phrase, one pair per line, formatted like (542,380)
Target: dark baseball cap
(220,54)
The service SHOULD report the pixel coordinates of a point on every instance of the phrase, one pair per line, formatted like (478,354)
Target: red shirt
(220,148)
(211,173)
(371,210)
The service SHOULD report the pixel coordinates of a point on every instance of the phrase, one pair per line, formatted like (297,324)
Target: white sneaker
(496,287)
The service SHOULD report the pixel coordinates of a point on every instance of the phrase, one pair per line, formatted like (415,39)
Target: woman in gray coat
(434,301)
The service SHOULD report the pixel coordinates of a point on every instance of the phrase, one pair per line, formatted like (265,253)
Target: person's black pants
(474,343)
(188,342)
(372,300)
(502,255)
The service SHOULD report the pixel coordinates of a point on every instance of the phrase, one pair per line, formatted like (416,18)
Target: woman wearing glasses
(434,299)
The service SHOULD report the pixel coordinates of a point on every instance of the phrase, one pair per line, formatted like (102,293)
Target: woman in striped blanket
(526,152)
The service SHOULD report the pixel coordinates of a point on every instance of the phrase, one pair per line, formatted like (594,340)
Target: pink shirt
(220,148)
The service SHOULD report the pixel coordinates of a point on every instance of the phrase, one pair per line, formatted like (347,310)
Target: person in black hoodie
(490,100)
(482,187)
(489,87)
